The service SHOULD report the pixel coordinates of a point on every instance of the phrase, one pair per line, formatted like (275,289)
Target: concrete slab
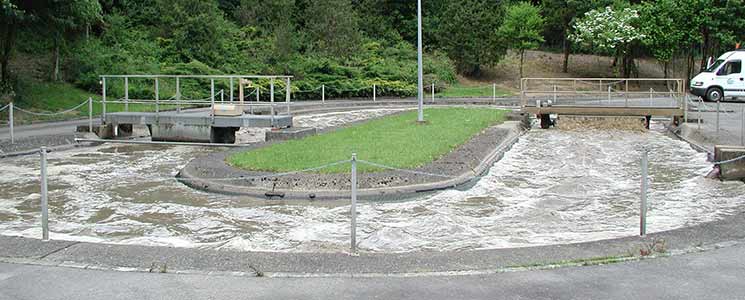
(200,118)
(732,170)
(18,247)
(294,133)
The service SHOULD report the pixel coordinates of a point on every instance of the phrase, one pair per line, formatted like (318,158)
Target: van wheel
(714,94)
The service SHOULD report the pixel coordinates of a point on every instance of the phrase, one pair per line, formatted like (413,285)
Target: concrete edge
(157,259)
(489,159)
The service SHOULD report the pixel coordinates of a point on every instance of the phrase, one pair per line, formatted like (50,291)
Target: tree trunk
(705,45)
(665,66)
(8,40)
(55,76)
(522,56)
(565,66)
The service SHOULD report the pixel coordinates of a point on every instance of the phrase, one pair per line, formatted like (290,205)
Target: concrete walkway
(717,274)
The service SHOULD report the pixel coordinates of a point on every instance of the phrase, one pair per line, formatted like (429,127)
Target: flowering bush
(608,30)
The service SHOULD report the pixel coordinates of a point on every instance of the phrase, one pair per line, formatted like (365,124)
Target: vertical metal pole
(610,89)
(353,209)
(626,91)
(433,93)
(222,96)
(271,98)
(323,93)
(103,100)
(10,123)
(288,93)
(643,212)
(718,109)
(258,94)
(374,92)
(90,114)
(157,97)
(494,93)
(178,95)
(685,109)
(126,93)
(44,198)
(700,103)
(651,93)
(554,94)
(420,72)
(742,128)
(212,96)
(231,90)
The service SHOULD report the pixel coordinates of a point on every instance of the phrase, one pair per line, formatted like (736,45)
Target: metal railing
(610,92)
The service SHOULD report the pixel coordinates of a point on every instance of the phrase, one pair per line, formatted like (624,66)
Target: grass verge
(397,141)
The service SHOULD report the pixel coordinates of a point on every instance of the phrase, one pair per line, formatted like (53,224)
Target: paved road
(717,274)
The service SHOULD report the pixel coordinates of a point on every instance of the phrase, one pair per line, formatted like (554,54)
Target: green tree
(559,16)
(663,33)
(469,29)
(333,27)
(521,29)
(11,17)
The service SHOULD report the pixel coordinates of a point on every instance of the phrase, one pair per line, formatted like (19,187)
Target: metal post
(609,94)
(231,90)
(178,95)
(271,98)
(323,93)
(258,94)
(126,93)
(718,109)
(103,100)
(420,70)
(742,128)
(90,114)
(494,93)
(353,209)
(222,96)
(433,93)
(10,123)
(44,198)
(157,97)
(685,109)
(554,94)
(700,103)
(212,97)
(374,92)
(651,93)
(626,92)
(288,91)
(643,212)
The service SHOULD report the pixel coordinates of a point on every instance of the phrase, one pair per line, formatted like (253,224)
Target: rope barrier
(51,113)
(5,107)
(729,160)
(403,170)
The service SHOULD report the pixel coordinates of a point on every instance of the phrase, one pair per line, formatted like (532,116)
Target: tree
(469,28)
(11,16)
(521,29)
(608,31)
(559,15)
(662,31)
(333,27)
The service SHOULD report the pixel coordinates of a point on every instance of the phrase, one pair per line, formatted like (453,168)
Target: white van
(725,78)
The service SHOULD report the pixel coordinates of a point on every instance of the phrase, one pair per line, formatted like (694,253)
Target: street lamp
(420,86)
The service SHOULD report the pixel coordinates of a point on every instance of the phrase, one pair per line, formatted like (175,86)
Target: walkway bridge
(642,97)
(232,102)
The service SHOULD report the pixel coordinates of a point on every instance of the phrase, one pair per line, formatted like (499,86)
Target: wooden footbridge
(642,97)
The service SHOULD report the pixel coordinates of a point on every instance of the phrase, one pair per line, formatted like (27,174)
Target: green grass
(38,96)
(460,90)
(396,141)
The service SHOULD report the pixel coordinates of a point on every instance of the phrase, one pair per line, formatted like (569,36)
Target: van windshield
(715,66)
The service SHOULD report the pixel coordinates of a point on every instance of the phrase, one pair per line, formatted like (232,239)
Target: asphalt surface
(716,274)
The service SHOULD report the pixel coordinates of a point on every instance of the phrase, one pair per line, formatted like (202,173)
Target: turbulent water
(552,187)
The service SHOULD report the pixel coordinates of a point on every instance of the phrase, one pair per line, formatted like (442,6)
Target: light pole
(420,86)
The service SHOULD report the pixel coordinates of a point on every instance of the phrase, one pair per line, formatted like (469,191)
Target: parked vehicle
(725,78)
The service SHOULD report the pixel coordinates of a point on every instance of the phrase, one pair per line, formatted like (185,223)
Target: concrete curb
(722,233)
(514,127)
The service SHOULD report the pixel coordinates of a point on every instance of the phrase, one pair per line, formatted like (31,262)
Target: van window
(715,65)
(732,67)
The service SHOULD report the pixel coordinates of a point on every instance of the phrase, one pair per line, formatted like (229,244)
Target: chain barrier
(403,170)
(729,160)
(50,113)
(5,107)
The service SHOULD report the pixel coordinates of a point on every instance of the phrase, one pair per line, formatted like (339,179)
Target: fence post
(126,93)
(231,91)
(271,98)
(643,212)
(609,94)
(554,94)
(323,93)
(90,114)
(157,97)
(103,100)
(288,92)
(494,93)
(212,96)
(742,129)
(433,93)
(626,93)
(44,198)
(178,95)
(685,109)
(258,94)
(353,209)
(718,109)
(375,92)
(10,123)
(651,93)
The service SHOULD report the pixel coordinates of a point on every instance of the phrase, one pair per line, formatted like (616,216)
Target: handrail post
(323,93)
(626,92)
(433,93)
(212,98)
(10,123)
(103,100)
(90,114)
(44,196)
(288,91)
(231,90)
(700,103)
(554,94)
(353,208)
(126,93)
(374,92)
(718,109)
(609,95)
(494,93)
(157,97)
(644,187)
(178,95)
